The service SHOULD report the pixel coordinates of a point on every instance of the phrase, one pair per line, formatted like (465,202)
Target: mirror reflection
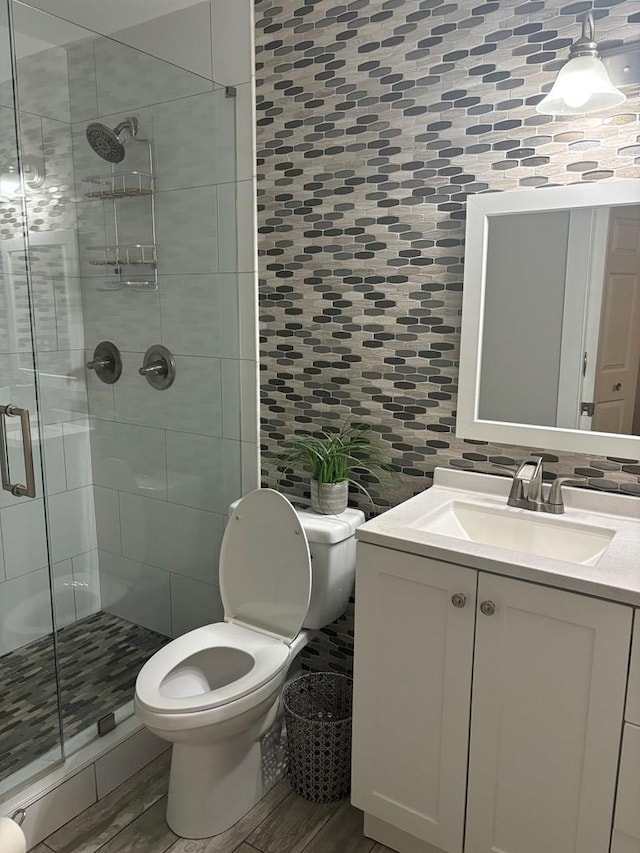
(561,331)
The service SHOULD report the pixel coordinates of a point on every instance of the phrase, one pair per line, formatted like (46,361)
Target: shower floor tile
(99,656)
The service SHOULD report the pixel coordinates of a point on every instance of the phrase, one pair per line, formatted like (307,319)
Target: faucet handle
(555,491)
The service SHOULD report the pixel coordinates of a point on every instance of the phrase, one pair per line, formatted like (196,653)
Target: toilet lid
(265,566)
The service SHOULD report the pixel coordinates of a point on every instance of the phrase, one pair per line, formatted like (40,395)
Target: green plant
(332,457)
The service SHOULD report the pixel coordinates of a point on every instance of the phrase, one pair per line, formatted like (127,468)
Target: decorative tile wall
(375,119)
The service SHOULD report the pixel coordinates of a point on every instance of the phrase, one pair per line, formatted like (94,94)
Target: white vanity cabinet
(549,686)
(486,722)
(626,827)
(413,663)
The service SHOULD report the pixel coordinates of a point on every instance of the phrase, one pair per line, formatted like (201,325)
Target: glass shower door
(138,250)
(30,723)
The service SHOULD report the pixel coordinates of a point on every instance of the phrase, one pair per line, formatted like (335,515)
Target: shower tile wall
(25,613)
(375,118)
(167,464)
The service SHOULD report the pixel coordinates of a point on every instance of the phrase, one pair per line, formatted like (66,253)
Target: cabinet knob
(488,608)
(458,600)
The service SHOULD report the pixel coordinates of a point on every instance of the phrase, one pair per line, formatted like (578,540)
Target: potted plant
(331,458)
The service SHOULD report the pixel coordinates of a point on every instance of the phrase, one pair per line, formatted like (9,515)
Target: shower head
(108,143)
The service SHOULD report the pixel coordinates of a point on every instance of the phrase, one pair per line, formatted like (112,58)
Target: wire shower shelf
(119,185)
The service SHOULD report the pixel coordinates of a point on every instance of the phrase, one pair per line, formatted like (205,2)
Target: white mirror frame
(479,209)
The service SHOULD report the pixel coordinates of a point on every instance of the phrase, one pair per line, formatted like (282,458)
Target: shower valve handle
(106,362)
(157,368)
(99,362)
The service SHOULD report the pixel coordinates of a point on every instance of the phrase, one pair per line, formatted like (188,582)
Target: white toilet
(215,691)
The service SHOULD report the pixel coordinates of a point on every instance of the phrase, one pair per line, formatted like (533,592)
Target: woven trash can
(317,711)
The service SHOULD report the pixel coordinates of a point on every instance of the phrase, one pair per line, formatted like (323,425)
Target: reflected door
(618,362)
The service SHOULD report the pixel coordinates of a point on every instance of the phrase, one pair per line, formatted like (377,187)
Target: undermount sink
(541,536)
(464,520)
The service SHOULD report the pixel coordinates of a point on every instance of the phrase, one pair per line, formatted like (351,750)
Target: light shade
(582,86)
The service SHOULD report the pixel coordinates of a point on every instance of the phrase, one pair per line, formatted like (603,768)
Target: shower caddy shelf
(137,254)
(119,185)
(122,257)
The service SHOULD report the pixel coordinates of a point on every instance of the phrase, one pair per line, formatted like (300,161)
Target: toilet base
(217,761)
(213,785)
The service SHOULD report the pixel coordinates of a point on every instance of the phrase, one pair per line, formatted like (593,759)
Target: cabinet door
(548,697)
(632,714)
(626,828)
(413,660)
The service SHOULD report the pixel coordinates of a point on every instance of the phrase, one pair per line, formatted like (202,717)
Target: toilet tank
(332,545)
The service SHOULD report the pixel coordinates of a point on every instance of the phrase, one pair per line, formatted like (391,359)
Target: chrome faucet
(526,489)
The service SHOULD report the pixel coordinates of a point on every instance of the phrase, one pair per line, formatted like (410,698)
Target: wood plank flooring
(131,819)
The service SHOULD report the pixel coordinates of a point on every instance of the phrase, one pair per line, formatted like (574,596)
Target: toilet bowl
(214,692)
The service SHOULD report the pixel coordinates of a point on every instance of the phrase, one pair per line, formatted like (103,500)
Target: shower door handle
(17,489)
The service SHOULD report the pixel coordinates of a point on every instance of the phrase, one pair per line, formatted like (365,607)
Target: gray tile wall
(166,464)
(375,119)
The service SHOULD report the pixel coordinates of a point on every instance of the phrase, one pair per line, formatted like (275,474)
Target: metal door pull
(17,489)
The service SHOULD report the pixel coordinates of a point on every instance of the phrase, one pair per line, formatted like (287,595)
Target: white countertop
(615,576)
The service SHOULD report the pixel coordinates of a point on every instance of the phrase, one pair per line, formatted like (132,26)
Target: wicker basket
(317,710)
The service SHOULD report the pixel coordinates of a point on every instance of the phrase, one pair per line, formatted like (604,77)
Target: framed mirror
(550,349)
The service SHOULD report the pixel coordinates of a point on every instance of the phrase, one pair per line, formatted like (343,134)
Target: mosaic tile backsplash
(375,120)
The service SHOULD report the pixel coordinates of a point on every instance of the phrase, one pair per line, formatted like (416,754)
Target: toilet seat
(174,680)
(265,585)
(265,565)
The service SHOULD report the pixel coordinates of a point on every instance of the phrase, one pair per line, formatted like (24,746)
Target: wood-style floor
(131,820)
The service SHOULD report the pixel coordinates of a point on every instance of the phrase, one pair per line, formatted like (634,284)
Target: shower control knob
(158,367)
(488,608)
(106,362)
(458,600)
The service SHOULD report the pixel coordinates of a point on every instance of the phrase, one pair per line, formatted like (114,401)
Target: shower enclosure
(118,272)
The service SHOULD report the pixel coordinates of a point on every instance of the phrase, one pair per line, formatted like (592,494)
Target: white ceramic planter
(329,498)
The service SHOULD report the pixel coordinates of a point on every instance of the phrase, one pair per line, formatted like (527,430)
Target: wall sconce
(12,182)
(584,84)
